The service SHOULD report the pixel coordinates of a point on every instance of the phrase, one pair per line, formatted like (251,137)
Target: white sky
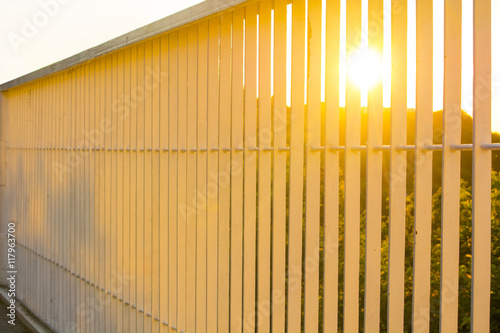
(438,63)
(73,26)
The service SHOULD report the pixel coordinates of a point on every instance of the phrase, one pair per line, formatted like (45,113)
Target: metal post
(4,197)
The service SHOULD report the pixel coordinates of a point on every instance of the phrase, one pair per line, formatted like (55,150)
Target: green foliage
(464,293)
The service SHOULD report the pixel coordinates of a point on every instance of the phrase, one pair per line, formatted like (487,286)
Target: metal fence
(166,186)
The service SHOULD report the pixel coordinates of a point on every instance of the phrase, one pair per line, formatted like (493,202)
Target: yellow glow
(364,68)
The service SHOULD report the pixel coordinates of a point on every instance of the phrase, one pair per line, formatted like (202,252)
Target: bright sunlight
(364,68)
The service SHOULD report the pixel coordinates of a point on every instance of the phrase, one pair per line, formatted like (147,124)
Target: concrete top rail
(173,21)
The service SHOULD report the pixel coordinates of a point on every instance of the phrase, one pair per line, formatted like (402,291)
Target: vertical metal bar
(70,143)
(55,94)
(50,217)
(181,179)
(23,185)
(102,183)
(450,211)
(51,106)
(148,174)
(191,245)
(57,100)
(48,108)
(27,160)
(264,168)
(352,173)
(397,194)
(125,109)
(155,183)
(224,171)
(57,182)
(481,169)
(4,193)
(47,240)
(423,169)
(313,160)
(74,173)
(68,201)
(38,208)
(236,226)
(141,175)
(279,169)
(23,195)
(201,176)
(11,105)
(164,187)
(42,202)
(44,193)
(40,233)
(296,167)
(331,167)
(104,189)
(83,195)
(46,235)
(92,142)
(19,166)
(61,104)
(250,169)
(133,187)
(32,201)
(172,192)
(86,200)
(35,203)
(212,180)
(118,275)
(80,119)
(72,196)
(27,196)
(34,206)
(79,218)
(374,176)
(16,114)
(107,191)
(31,217)
(114,192)
(65,99)
(46,224)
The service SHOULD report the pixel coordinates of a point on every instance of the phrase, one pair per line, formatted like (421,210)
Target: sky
(36,33)
(438,49)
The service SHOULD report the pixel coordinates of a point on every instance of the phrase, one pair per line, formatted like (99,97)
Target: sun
(364,68)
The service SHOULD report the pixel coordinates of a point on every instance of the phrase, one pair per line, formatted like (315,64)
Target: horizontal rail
(437,147)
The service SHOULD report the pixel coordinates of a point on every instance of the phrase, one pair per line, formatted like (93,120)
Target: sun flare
(364,68)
